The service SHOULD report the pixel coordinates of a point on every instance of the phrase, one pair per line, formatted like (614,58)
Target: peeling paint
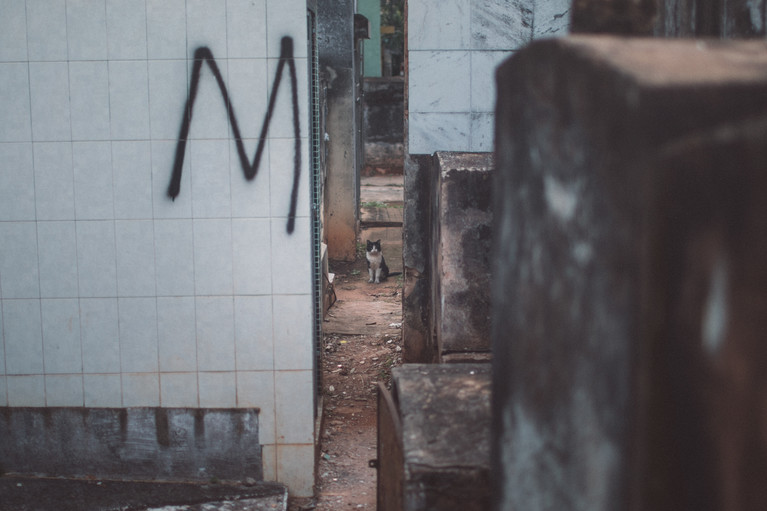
(561,198)
(755,12)
(714,323)
(583,253)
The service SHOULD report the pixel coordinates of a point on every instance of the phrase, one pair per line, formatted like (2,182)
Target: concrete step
(381,216)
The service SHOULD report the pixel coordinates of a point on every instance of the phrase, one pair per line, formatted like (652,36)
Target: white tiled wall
(454,47)
(111,294)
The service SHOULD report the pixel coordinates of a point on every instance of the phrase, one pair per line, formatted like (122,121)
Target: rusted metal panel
(390,459)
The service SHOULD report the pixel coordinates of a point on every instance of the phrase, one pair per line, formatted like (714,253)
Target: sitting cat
(376,263)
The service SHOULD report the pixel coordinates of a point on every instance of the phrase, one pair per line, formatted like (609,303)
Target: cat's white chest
(374,258)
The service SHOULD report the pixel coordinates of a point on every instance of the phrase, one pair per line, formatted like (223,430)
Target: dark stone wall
(671,18)
(384,118)
(126,443)
(591,375)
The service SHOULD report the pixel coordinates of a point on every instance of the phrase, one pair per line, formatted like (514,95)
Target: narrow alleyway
(362,341)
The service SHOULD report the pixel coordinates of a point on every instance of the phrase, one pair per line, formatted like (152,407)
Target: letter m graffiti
(203,55)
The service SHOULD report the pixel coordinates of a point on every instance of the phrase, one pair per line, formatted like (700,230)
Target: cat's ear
(378,241)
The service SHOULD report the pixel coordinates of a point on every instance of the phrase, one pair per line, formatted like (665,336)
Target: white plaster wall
(454,47)
(111,294)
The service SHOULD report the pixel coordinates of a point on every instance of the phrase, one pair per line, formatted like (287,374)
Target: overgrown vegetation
(393,41)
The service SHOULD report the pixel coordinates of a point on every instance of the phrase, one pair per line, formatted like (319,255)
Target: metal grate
(316,187)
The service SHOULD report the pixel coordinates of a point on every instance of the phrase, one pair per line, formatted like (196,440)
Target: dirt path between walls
(362,342)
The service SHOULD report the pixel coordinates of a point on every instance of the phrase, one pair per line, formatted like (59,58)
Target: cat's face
(374,246)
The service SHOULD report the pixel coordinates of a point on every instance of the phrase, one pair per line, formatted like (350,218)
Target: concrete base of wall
(132,443)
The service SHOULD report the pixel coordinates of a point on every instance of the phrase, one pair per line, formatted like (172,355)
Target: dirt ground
(362,342)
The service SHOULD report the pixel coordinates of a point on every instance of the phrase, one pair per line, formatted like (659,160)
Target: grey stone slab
(462,237)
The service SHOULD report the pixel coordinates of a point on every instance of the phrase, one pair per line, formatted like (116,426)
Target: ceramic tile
(482,132)
(439,25)
(13,32)
(47,30)
(268,458)
(206,26)
(217,390)
(251,256)
(49,97)
(23,337)
(57,259)
(129,100)
(552,18)
(245,28)
(89,100)
(295,469)
(215,333)
(163,159)
(177,334)
(18,260)
(100,334)
(64,390)
(126,29)
(167,97)
(132,175)
(248,91)
(282,178)
(291,257)
(483,66)
(282,124)
(255,389)
(253,332)
(94,193)
(211,196)
(102,390)
(213,257)
(293,344)
(87,30)
(178,390)
(138,334)
(174,257)
(501,24)
(166,29)
(250,198)
(17,183)
(14,103)
(210,118)
(140,389)
(61,336)
(96,252)
(135,257)
(430,132)
(434,84)
(294,394)
(54,181)
(281,16)
(26,390)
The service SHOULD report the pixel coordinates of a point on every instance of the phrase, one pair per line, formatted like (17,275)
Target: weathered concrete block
(434,438)
(462,241)
(417,339)
(626,290)
(144,443)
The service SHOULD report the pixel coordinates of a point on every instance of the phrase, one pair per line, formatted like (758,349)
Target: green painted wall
(371,9)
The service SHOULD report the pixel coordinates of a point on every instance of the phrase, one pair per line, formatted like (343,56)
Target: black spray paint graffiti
(204,55)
